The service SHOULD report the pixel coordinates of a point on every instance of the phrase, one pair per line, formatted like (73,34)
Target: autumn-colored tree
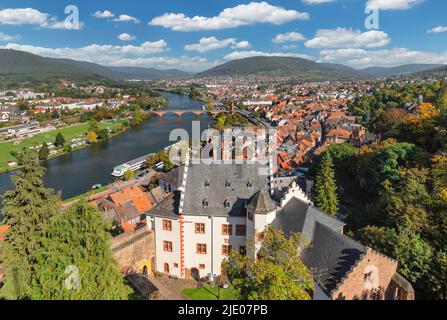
(92,137)
(278,273)
(152,160)
(128,175)
(386,125)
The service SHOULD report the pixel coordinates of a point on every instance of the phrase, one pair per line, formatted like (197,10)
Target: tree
(92,137)
(93,126)
(325,188)
(412,253)
(78,241)
(168,166)
(163,156)
(344,158)
(151,161)
(28,209)
(103,134)
(68,148)
(278,272)
(128,175)
(437,277)
(60,140)
(44,152)
(386,125)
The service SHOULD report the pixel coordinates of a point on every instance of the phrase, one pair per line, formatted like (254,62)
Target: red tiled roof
(139,198)
(3,230)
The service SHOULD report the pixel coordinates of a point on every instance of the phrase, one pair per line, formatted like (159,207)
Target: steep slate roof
(174,177)
(330,255)
(261,202)
(168,208)
(239,176)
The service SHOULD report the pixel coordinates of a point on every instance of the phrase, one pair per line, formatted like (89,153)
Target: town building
(219,207)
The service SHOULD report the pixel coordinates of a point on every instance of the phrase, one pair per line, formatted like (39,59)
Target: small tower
(261,211)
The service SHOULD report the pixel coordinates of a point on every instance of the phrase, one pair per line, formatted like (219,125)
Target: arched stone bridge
(180,113)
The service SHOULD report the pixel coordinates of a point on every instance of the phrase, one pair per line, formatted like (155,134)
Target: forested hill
(23,65)
(301,69)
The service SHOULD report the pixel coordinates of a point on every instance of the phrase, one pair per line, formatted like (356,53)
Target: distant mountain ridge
(399,70)
(309,70)
(24,64)
(300,68)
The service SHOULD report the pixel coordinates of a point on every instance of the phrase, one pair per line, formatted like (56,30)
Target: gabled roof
(174,177)
(132,197)
(232,183)
(331,255)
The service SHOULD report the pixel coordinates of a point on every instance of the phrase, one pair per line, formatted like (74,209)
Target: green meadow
(69,133)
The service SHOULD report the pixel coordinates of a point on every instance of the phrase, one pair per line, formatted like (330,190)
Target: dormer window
(227,204)
(207,183)
(228,183)
(205,203)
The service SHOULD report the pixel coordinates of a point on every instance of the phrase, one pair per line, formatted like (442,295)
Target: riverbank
(77,172)
(69,133)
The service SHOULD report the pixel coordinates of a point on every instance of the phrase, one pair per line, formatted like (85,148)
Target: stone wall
(134,250)
(399,289)
(354,287)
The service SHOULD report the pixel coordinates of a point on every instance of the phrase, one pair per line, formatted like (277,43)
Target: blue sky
(195,35)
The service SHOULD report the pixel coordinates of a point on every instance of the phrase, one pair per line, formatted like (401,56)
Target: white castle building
(220,206)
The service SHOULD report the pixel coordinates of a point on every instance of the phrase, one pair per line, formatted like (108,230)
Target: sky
(196,35)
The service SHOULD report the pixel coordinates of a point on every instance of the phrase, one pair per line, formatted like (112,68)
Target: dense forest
(393,193)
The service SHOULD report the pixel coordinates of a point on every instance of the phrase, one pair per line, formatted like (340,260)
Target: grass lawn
(210,293)
(69,133)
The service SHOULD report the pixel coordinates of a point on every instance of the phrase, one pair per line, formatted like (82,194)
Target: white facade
(163,258)
(210,234)
(186,235)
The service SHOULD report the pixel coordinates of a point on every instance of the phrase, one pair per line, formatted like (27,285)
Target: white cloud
(248,54)
(30,16)
(126,18)
(289,46)
(103,14)
(393,4)
(241,15)
(288,37)
(212,43)
(360,58)
(126,37)
(347,38)
(316,1)
(182,62)
(6,37)
(94,52)
(438,29)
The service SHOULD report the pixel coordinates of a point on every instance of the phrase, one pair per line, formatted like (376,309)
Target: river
(76,173)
